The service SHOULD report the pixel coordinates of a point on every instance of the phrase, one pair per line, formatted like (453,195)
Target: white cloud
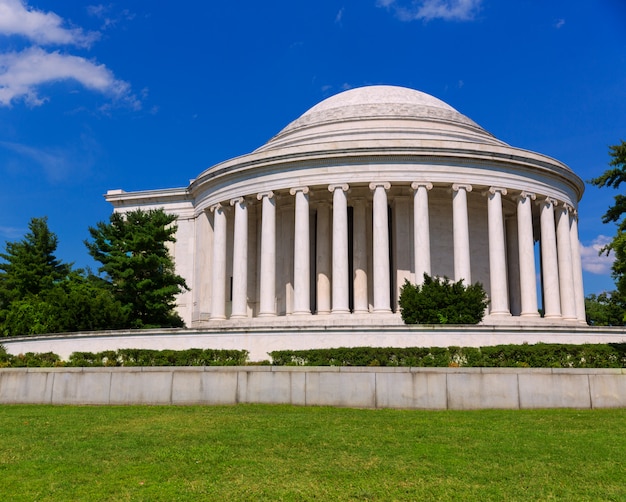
(16,18)
(559,23)
(592,261)
(426,10)
(107,16)
(12,232)
(339,15)
(22,72)
(58,163)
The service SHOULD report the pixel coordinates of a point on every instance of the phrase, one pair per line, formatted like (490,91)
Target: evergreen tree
(137,266)
(30,264)
(616,213)
(40,294)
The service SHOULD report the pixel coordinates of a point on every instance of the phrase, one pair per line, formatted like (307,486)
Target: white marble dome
(379,112)
(366,189)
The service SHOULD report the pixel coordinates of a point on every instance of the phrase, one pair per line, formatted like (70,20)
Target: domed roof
(379,95)
(379,113)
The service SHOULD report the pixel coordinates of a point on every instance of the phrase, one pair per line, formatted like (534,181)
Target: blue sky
(143,95)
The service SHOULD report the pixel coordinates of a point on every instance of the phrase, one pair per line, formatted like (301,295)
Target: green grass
(255,452)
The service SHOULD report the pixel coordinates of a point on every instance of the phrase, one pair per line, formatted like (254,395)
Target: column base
(530,314)
(503,313)
(338,311)
(238,316)
(382,311)
(217,318)
(267,314)
(302,313)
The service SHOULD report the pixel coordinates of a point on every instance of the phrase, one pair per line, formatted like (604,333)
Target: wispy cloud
(11,233)
(594,262)
(559,23)
(427,10)
(108,15)
(23,73)
(339,15)
(16,18)
(58,163)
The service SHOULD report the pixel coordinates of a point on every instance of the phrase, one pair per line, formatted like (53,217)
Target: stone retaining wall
(412,388)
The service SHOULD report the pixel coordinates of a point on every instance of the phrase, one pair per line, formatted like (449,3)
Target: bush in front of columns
(439,301)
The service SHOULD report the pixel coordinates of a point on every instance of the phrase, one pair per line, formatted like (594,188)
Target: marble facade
(368,188)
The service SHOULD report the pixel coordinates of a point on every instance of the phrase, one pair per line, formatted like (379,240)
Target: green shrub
(541,355)
(439,301)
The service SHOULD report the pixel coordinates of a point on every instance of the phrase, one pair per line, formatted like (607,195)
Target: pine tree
(30,265)
(137,266)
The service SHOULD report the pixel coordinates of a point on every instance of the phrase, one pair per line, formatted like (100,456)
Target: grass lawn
(256,452)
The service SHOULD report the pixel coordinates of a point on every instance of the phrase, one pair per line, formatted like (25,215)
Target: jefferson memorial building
(368,188)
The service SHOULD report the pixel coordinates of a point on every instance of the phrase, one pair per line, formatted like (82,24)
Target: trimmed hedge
(541,355)
(128,357)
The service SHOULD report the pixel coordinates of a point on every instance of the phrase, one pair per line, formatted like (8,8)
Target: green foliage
(128,357)
(439,301)
(29,266)
(541,355)
(613,178)
(605,309)
(39,294)
(77,303)
(138,268)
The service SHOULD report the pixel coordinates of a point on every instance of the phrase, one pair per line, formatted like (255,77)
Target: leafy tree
(605,309)
(138,268)
(439,301)
(613,178)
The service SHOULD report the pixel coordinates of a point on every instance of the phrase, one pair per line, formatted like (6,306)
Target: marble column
(267,287)
(460,227)
(240,259)
(549,261)
(361,304)
(577,268)
(380,238)
(301,253)
(527,273)
(421,230)
(564,254)
(341,272)
(497,254)
(323,260)
(218,292)
(512,264)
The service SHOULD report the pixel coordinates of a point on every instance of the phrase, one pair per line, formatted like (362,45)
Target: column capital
(261,195)
(294,190)
(459,186)
(524,195)
(546,202)
(216,207)
(563,207)
(342,186)
(237,200)
(493,190)
(375,184)
(426,184)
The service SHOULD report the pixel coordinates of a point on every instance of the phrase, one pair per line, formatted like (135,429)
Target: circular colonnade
(367,189)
